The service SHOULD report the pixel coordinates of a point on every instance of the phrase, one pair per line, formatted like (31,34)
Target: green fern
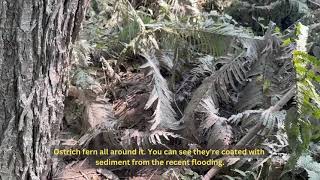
(308,98)
(303,129)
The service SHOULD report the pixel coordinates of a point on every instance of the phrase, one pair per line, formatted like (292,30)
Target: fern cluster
(237,83)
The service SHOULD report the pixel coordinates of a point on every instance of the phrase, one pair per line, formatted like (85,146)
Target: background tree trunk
(35,41)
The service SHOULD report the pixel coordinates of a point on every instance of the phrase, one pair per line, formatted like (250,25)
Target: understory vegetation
(185,74)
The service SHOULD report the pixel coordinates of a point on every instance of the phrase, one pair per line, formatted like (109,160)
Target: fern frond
(302,129)
(216,85)
(132,138)
(165,59)
(308,101)
(267,75)
(155,136)
(95,112)
(311,166)
(231,74)
(212,114)
(164,114)
(235,71)
(81,53)
(237,118)
(109,131)
(271,118)
(188,114)
(204,67)
(211,38)
(216,129)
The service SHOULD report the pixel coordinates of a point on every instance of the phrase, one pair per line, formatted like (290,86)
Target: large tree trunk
(35,41)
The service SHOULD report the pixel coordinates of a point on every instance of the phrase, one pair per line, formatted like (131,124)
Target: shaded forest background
(185,74)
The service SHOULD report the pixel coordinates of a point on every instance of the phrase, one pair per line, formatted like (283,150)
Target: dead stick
(84,175)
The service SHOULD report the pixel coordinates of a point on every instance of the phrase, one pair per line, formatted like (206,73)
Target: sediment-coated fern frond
(212,114)
(164,115)
(237,118)
(126,139)
(108,130)
(231,75)
(210,37)
(221,33)
(267,76)
(310,165)
(203,68)
(216,129)
(205,65)
(216,85)
(145,44)
(132,138)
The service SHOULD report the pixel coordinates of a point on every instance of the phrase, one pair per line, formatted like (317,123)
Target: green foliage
(286,42)
(277,30)
(298,29)
(304,128)
(266,85)
(308,97)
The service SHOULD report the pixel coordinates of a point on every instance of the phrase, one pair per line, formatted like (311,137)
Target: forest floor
(135,79)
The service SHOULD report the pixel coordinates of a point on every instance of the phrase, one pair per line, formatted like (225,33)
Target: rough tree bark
(35,43)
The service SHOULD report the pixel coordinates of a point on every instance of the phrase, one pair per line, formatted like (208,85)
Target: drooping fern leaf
(212,114)
(132,138)
(164,114)
(210,37)
(108,130)
(217,131)
(228,75)
(218,83)
(203,68)
(233,72)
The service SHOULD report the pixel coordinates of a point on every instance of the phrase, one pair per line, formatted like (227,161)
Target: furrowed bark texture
(35,43)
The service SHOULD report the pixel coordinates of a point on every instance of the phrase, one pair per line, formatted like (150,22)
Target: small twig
(314,3)
(152,174)
(74,177)
(175,103)
(176,176)
(82,162)
(84,175)
(184,83)
(259,174)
